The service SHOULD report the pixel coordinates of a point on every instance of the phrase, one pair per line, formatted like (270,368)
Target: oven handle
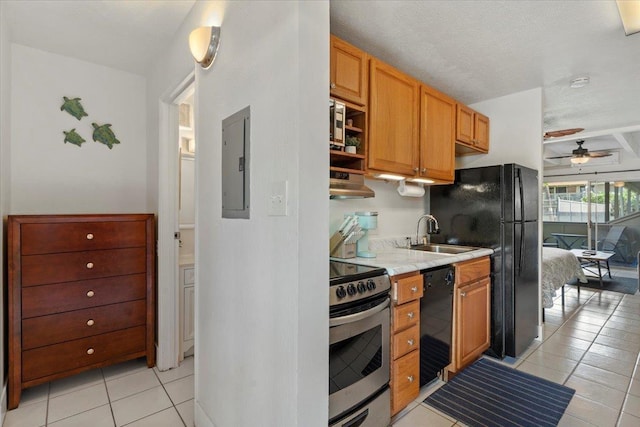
(342,320)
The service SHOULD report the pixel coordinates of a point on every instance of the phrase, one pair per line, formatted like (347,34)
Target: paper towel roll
(410,190)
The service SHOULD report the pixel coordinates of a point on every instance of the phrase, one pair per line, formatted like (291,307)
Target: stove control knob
(362,288)
(340,292)
(371,285)
(351,289)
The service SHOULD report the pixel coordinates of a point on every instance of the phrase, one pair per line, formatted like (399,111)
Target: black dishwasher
(436,311)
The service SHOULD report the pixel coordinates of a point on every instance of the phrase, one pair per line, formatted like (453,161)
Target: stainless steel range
(359,346)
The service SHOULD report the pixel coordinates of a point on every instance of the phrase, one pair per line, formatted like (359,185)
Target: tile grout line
(633,374)
(169,396)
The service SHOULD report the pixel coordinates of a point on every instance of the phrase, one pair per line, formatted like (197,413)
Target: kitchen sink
(443,249)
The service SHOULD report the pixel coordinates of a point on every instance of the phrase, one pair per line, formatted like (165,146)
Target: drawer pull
(90,294)
(90,236)
(89,265)
(410,378)
(90,322)
(414,289)
(90,351)
(410,342)
(411,315)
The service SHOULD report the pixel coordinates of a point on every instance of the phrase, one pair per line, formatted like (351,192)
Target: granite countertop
(400,260)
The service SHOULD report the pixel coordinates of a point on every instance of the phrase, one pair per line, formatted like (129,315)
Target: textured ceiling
(478,50)
(119,34)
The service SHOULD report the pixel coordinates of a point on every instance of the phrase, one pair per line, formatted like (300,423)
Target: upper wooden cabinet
(437,135)
(472,131)
(393,120)
(348,72)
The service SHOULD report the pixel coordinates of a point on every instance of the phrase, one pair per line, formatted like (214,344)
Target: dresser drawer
(406,315)
(71,266)
(71,355)
(56,328)
(61,297)
(406,341)
(81,236)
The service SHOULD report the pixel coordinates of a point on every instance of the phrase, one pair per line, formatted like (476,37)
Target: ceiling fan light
(579,160)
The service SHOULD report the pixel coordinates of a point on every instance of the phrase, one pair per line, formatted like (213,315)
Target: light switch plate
(278,199)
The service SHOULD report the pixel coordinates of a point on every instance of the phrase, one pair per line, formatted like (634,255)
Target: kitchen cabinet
(437,135)
(348,72)
(355,126)
(406,292)
(93,277)
(471,312)
(394,102)
(472,131)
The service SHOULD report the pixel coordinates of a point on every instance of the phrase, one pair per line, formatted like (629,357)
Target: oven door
(358,357)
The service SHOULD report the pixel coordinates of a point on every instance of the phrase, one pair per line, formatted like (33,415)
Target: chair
(615,242)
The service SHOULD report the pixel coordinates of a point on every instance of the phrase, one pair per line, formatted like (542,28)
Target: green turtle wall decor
(73,107)
(104,135)
(73,137)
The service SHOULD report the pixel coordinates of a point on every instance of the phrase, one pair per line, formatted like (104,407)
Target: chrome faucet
(432,228)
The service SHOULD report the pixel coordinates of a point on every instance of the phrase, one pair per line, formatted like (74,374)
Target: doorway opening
(186,224)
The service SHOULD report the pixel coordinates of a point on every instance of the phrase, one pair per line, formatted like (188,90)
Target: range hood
(348,186)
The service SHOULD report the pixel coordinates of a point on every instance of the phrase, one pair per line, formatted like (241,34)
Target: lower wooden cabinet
(405,340)
(471,312)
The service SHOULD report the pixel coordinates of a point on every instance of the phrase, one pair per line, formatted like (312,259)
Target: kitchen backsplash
(397,215)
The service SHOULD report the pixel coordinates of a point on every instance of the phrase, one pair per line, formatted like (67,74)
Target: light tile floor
(592,345)
(127,394)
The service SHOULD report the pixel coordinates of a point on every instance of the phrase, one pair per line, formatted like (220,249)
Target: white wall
(261,320)
(48,176)
(397,215)
(5,121)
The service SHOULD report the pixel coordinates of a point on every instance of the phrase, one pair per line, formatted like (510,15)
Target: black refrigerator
(497,207)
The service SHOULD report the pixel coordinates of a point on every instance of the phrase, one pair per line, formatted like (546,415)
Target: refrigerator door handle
(521,261)
(521,194)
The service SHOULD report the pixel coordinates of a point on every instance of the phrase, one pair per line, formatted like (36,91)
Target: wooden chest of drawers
(81,294)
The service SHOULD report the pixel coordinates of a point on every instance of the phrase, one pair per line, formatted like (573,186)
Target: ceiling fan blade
(559,157)
(599,154)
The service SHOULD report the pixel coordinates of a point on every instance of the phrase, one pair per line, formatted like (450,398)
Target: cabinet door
(481,132)
(437,135)
(348,72)
(189,313)
(472,321)
(464,124)
(393,120)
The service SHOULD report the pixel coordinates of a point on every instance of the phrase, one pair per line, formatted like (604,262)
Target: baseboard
(3,404)
(200,417)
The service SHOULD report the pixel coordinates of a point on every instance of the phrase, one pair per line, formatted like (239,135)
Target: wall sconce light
(630,15)
(203,43)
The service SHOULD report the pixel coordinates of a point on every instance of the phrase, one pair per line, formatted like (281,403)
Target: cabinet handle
(333,85)
(90,322)
(90,236)
(90,294)
(416,169)
(463,294)
(410,315)
(89,265)
(414,289)
(410,342)
(424,170)
(410,378)
(90,351)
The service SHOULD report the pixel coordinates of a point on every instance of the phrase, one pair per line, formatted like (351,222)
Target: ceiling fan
(581,155)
